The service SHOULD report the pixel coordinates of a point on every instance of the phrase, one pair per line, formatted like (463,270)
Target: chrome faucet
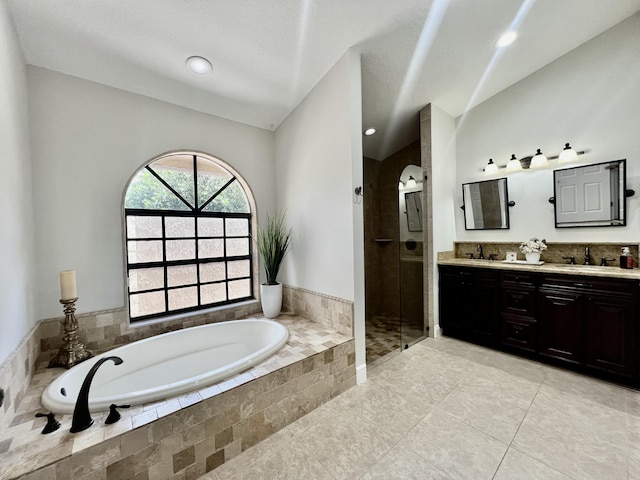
(481,254)
(81,415)
(587,256)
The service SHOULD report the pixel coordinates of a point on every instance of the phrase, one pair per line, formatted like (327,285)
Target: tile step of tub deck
(316,364)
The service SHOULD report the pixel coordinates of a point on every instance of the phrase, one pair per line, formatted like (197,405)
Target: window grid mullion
(165,267)
(226,258)
(195,226)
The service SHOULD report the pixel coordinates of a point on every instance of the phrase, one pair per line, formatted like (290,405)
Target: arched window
(188,236)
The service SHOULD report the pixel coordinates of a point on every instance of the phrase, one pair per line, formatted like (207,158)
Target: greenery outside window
(188,237)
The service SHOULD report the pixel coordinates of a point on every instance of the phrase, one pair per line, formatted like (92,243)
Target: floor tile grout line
(511,446)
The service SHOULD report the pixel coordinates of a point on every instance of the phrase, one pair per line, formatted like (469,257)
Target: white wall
(319,164)
(590,98)
(16,231)
(87,140)
(443,156)
(315,186)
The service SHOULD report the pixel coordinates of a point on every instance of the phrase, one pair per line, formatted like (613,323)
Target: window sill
(181,317)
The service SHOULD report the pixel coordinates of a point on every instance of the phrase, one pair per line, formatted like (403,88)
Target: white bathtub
(169,364)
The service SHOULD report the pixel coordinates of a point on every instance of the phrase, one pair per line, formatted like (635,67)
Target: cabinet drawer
(519,300)
(589,284)
(519,332)
(520,278)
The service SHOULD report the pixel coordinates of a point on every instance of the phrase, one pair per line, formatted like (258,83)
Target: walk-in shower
(394,233)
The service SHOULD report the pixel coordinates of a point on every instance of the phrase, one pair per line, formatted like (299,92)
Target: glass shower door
(410,253)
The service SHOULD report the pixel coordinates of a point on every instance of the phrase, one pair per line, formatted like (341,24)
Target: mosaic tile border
(187,436)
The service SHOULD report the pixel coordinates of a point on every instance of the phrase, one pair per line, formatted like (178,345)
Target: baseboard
(361,374)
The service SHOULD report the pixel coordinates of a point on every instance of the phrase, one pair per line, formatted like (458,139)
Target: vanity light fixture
(491,168)
(539,160)
(567,155)
(514,164)
(369,131)
(199,65)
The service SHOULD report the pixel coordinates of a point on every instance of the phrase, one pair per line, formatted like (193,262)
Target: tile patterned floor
(445,409)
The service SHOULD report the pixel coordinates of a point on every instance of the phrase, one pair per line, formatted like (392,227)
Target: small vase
(271,299)
(533,257)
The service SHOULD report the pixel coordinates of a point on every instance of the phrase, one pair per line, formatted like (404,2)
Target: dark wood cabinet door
(483,310)
(454,291)
(560,325)
(610,334)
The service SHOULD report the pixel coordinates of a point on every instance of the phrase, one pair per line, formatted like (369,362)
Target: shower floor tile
(384,337)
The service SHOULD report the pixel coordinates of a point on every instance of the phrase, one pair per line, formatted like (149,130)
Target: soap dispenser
(626,260)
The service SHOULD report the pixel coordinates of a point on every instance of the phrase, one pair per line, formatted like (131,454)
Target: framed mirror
(486,205)
(591,195)
(413,203)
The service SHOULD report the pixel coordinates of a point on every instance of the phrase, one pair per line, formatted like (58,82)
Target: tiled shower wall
(382,269)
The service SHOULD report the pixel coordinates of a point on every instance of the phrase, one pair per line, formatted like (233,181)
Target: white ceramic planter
(533,257)
(271,300)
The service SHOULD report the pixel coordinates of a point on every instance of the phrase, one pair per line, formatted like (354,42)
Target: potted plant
(532,249)
(273,243)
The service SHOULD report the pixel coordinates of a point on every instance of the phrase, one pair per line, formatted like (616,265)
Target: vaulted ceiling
(268,54)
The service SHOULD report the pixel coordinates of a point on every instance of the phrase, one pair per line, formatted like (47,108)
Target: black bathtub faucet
(81,415)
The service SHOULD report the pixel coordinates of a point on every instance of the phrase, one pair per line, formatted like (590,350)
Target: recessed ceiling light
(506,39)
(369,131)
(199,65)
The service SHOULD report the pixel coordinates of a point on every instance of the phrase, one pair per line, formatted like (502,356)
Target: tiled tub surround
(554,253)
(104,330)
(189,435)
(15,377)
(99,331)
(333,312)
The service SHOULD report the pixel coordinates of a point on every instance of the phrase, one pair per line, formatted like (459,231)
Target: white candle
(68,288)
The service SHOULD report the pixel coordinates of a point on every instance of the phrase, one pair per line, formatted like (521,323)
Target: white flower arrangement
(533,245)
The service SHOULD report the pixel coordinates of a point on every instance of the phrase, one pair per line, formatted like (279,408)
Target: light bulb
(506,39)
(491,168)
(567,155)
(514,164)
(539,160)
(411,182)
(199,65)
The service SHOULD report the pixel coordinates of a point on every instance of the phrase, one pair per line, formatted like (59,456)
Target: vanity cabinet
(468,302)
(586,323)
(560,325)
(589,321)
(518,325)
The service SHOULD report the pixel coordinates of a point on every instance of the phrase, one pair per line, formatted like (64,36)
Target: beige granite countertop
(560,268)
